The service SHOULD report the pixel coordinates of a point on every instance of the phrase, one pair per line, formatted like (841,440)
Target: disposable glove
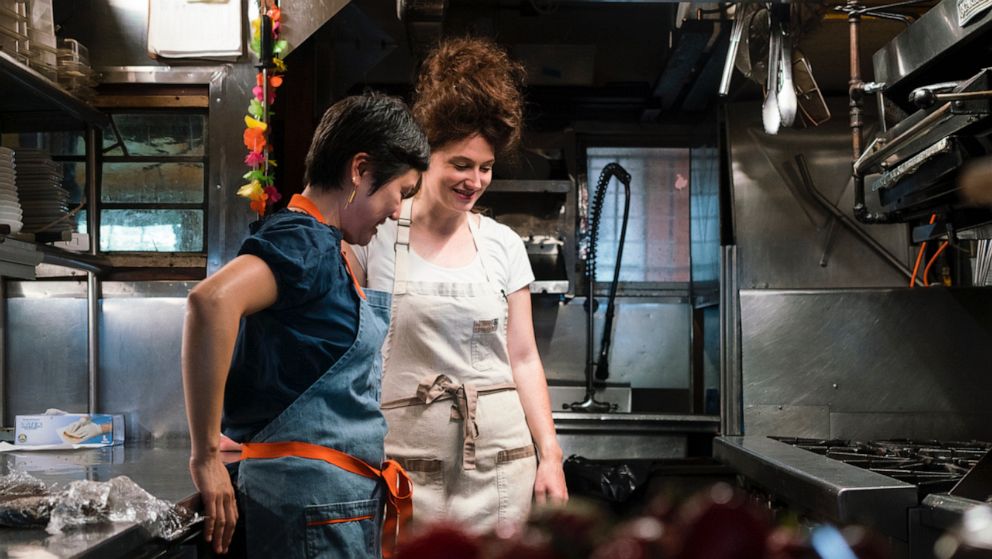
(81,430)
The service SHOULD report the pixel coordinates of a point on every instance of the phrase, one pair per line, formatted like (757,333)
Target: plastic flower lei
(267,45)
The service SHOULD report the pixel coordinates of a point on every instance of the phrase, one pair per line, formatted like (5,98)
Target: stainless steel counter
(160,469)
(634,436)
(824,488)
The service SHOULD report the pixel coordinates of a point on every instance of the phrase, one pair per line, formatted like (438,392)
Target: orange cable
(943,245)
(919,256)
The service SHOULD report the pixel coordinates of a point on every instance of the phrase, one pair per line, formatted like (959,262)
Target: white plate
(26,203)
(28,179)
(44,207)
(31,201)
(53,197)
(37,178)
(41,195)
(47,207)
(40,189)
(15,226)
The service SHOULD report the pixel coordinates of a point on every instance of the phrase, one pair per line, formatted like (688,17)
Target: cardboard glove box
(69,429)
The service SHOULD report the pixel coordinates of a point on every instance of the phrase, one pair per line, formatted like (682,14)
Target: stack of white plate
(10,207)
(39,188)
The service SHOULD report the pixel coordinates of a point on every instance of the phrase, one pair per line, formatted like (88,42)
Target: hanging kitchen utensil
(811,103)
(735,39)
(770,117)
(752,51)
(787,93)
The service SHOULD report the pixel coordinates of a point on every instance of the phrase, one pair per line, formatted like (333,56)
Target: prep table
(159,468)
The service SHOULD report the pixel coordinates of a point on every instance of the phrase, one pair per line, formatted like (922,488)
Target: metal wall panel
(781,232)
(711,349)
(899,362)
(650,343)
(228,215)
(140,342)
(46,356)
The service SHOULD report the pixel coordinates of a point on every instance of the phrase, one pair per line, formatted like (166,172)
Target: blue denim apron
(299,507)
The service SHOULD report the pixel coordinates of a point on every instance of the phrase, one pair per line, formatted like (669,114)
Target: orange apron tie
(399,505)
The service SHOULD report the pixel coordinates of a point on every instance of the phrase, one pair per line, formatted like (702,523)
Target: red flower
(254,158)
(257,90)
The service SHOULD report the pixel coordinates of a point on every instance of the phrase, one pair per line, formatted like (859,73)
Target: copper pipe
(855,84)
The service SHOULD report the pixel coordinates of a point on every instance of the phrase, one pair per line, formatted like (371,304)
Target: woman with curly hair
(464,391)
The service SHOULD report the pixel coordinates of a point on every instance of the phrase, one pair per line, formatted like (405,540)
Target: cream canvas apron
(455,420)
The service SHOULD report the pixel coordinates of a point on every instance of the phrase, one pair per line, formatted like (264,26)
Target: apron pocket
(505,456)
(429,495)
(516,471)
(343,529)
(483,354)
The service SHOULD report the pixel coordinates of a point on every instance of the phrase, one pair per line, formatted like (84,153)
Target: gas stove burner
(933,466)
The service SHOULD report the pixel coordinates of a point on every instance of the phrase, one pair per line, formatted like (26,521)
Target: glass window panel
(151,230)
(163,183)
(74,181)
(161,134)
(64,144)
(658,241)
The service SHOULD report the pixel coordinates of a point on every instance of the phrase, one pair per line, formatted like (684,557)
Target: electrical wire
(926,271)
(919,256)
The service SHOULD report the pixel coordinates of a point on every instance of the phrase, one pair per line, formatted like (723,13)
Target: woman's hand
(217,495)
(549,487)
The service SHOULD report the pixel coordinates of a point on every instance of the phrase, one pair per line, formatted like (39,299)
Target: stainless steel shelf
(18,259)
(642,422)
(32,103)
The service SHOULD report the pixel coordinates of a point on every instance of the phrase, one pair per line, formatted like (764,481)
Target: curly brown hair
(468,86)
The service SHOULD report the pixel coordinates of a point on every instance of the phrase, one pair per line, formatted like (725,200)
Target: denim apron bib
(309,481)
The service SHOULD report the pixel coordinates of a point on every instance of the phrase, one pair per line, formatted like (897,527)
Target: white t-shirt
(506,260)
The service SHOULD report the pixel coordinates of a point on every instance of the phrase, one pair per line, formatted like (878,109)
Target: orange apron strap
(354,280)
(399,508)
(399,505)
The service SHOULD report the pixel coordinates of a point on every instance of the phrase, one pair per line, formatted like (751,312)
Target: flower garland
(260,188)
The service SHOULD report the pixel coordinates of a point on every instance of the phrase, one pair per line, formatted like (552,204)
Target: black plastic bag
(614,482)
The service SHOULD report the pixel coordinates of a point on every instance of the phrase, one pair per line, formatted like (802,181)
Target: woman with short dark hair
(464,390)
(298,382)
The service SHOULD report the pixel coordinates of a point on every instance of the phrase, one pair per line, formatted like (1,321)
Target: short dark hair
(376,124)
